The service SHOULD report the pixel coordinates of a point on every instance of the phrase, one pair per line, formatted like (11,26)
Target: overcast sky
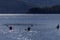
(24,5)
(43,2)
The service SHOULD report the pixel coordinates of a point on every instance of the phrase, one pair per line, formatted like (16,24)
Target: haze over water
(45,31)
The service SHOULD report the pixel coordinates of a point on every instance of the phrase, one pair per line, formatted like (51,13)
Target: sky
(35,2)
(23,5)
(43,2)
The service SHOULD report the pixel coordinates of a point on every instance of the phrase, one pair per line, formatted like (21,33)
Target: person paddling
(28,29)
(57,26)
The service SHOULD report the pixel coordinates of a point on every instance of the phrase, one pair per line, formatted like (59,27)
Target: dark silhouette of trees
(52,9)
(34,10)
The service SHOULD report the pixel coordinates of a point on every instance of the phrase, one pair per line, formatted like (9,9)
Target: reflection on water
(46,31)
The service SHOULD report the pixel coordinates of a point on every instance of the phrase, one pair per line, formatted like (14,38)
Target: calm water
(46,30)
